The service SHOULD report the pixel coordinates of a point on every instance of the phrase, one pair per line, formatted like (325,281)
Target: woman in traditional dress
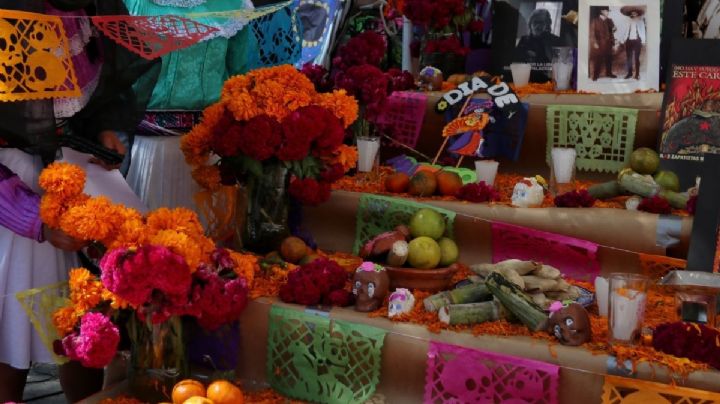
(32,255)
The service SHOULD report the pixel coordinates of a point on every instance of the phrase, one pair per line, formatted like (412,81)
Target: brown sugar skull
(370,286)
(570,324)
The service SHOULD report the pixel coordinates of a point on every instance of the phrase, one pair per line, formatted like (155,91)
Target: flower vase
(158,358)
(265,224)
(213,354)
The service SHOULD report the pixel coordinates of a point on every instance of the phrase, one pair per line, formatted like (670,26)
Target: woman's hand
(110,140)
(60,239)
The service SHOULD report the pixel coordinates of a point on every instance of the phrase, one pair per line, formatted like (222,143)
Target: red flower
(332,173)
(367,83)
(216,301)
(313,283)
(655,204)
(685,340)
(400,80)
(340,297)
(309,191)
(575,199)
(446,45)
(261,135)
(331,134)
(477,192)
(319,75)
(691,204)
(476,26)
(227,139)
(299,130)
(366,48)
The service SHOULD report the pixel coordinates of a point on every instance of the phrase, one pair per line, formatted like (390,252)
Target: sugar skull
(430,79)
(528,193)
(570,324)
(401,301)
(370,286)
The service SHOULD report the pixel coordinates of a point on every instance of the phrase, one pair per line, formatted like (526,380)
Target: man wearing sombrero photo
(634,38)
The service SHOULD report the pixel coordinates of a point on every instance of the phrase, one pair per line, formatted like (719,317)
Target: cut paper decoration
(377,214)
(402,116)
(621,390)
(602,136)
(657,266)
(500,92)
(278,42)
(320,360)
(153,36)
(35,60)
(460,375)
(40,304)
(319,19)
(577,259)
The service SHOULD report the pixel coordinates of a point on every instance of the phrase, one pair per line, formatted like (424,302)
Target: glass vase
(266,202)
(158,358)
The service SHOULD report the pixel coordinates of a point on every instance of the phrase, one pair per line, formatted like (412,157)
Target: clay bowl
(430,280)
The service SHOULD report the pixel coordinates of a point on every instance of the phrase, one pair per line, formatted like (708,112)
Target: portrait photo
(619,46)
(702,19)
(539,30)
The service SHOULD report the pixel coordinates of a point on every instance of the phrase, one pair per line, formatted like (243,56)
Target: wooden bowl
(430,280)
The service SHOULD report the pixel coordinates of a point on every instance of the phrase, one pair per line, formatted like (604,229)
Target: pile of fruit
(425,183)
(191,391)
(421,244)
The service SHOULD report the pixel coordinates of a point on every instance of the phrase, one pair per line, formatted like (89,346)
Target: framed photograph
(526,31)
(702,19)
(618,46)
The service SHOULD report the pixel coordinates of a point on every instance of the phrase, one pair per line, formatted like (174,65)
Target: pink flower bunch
(216,300)
(400,80)
(96,343)
(319,76)
(478,192)
(367,83)
(151,278)
(321,281)
(365,48)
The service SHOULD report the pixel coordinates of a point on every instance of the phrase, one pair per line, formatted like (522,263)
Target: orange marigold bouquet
(269,118)
(158,267)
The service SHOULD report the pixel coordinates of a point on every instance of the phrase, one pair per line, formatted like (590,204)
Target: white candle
(367,152)
(601,295)
(486,170)
(626,316)
(520,73)
(563,160)
(562,73)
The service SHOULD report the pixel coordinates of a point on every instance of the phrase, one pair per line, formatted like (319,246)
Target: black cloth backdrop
(118,103)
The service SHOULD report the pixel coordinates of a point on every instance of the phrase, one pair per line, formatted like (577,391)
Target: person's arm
(642,31)
(19,206)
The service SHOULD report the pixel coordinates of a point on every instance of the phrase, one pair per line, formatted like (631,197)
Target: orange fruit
(422,184)
(293,249)
(224,392)
(198,400)
(184,389)
(397,183)
(448,183)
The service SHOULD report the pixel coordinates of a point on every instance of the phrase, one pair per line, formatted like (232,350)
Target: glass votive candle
(486,170)
(562,169)
(520,73)
(368,148)
(628,295)
(601,295)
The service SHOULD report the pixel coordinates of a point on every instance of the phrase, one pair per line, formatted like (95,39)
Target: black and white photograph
(538,32)
(619,46)
(702,19)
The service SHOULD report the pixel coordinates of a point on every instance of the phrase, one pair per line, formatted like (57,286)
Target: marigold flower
(179,219)
(207,177)
(344,106)
(96,219)
(63,179)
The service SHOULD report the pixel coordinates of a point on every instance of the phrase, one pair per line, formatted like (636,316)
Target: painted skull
(528,193)
(430,79)
(571,325)
(370,286)
(401,301)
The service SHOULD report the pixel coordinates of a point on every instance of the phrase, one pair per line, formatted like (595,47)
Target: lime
(644,161)
(668,180)
(427,222)
(448,251)
(424,253)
